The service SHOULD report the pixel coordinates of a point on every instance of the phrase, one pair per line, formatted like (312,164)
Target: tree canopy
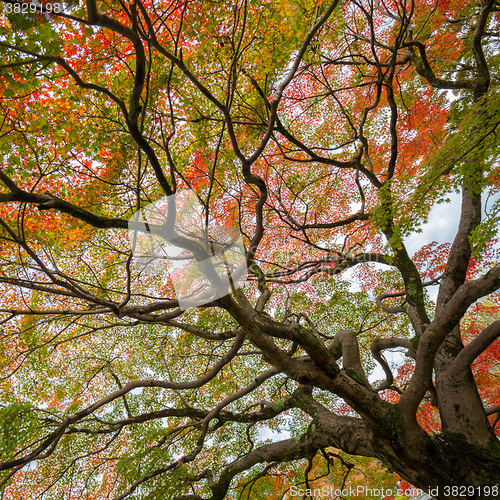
(315,135)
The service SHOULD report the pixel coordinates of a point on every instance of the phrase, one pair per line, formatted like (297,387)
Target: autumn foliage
(325,135)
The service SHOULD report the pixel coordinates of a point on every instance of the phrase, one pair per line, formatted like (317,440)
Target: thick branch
(470,352)
(460,252)
(47,201)
(345,344)
(376,348)
(434,335)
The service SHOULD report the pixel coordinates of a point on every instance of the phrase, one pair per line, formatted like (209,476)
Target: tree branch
(472,350)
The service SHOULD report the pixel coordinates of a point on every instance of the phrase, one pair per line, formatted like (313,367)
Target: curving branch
(472,350)
(376,348)
(345,345)
(392,310)
(355,163)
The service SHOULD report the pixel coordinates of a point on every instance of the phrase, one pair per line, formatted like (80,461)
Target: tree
(323,133)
